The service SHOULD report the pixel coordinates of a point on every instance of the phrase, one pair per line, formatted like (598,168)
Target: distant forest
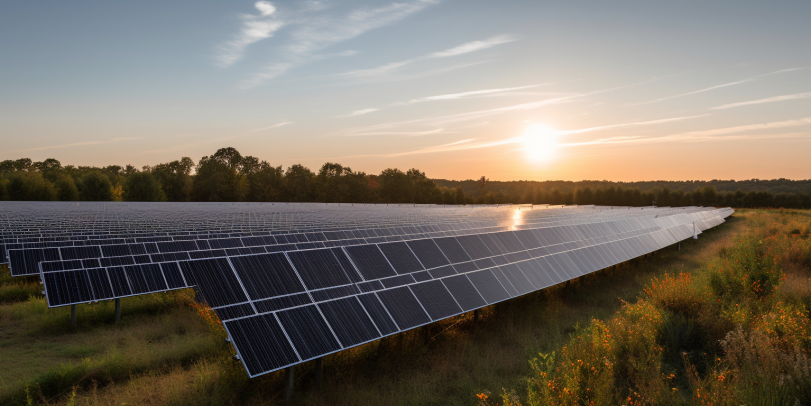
(228,176)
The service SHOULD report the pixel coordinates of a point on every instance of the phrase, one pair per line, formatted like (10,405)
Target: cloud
(767,100)
(313,32)
(633,124)
(474,46)
(705,135)
(467,144)
(254,29)
(271,126)
(451,118)
(474,93)
(695,92)
(360,112)
(720,86)
(458,50)
(474,115)
(265,8)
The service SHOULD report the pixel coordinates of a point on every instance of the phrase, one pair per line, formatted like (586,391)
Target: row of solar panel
(379,265)
(28,261)
(144,232)
(109,236)
(25,261)
(269,339)
(276,237)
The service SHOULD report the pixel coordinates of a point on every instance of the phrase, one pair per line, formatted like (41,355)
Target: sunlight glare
(540,142)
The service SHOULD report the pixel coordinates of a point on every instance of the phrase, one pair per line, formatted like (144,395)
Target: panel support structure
(476,317)
(118,310)
(288,385)
(319,367)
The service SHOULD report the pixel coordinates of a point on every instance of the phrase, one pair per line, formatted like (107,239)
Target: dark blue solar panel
(349,321)
(307,330)
(464,292)
(282,302)
(401,257)
(378,313)
(266,275)
(488,286)
(452,250)
(370,262)
(318,268)
(215,278)
(403,307)
(428,253)
(436,299)
(262,343)
(474,246)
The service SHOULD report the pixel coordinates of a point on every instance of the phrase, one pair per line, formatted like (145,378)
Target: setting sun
(540,143)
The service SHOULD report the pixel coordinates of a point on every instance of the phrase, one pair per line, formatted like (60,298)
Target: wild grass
(43,358)
(734,331)
(167,351)
(17,289)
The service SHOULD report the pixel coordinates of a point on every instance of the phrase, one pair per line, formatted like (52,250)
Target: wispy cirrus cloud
(360,112)
(470,94)
(394,127)
(438,121)
(254,28)
(707,89)
(313,31)
(282,124)
(465,48)
(766,100)
(706,135)
(467,144)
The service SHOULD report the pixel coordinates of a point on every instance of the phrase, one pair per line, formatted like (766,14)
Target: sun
(540,143)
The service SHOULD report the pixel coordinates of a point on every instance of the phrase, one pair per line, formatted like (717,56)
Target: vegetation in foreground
(735,332)
(169,350)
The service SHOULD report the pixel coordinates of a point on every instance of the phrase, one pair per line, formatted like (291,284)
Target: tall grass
(732,333)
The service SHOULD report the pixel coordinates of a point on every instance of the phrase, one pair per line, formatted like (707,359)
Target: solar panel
(296,282)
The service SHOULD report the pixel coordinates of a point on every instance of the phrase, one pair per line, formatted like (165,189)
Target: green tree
(424,190)
(3,189)
(338,184)
(460,195)
(219,177)
(66,189)
(142,187)
(30,186)
(265,182)
(95,187)
(584,196)
(175,178)
(394,186)
(298,184)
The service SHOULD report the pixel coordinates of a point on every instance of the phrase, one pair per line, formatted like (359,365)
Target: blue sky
(627,90)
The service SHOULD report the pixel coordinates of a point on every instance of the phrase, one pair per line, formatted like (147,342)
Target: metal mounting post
(476,317)
(73,316)
(118,310)
(289,379)
(319,366)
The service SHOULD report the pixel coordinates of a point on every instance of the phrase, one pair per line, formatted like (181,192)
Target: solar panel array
(294,282)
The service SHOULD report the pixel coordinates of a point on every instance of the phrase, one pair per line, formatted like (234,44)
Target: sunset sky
(623,90)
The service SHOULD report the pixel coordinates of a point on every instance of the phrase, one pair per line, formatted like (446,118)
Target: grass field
(167,350)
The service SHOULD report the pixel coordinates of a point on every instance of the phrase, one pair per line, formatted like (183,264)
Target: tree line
(228,176)
(225,176)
